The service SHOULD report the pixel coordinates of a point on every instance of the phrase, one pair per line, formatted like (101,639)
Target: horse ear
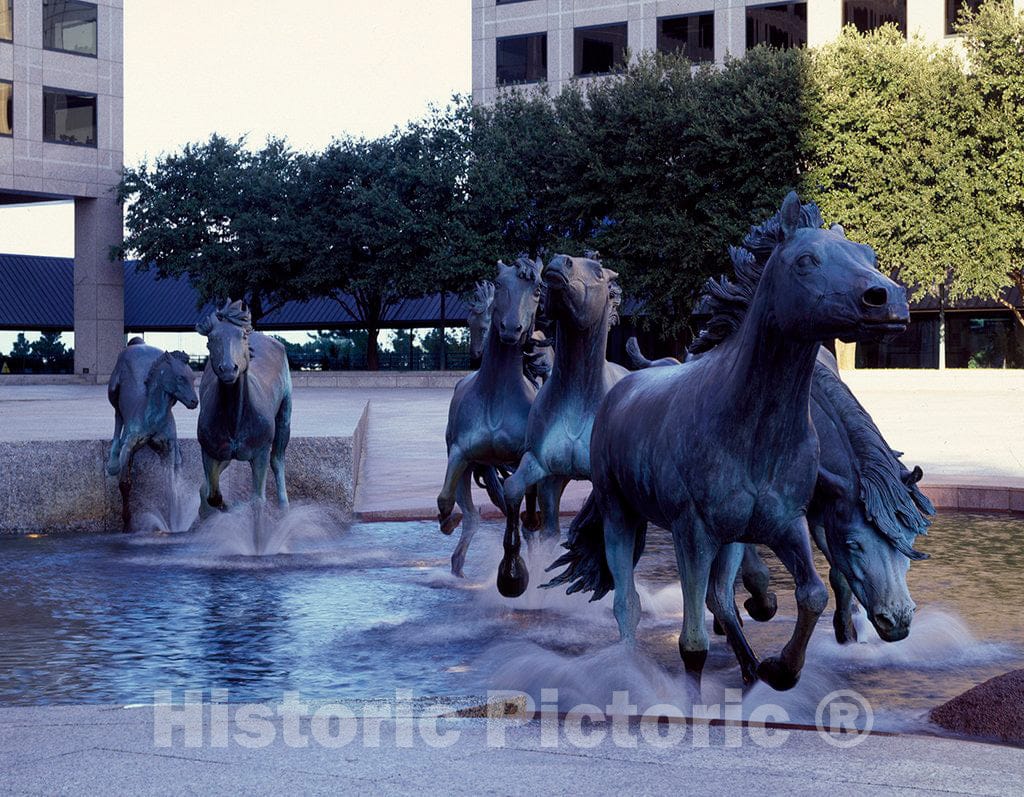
(912,477)
(830,483)
(611,275)
(789,216)
(839,229)
(180,356)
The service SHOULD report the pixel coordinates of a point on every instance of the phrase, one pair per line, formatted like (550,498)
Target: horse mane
(727,300)
(482,296)
(893,507)
(236,313)
(164,359)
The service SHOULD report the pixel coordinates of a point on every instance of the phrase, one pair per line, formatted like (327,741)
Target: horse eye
(854,546)
(807,262)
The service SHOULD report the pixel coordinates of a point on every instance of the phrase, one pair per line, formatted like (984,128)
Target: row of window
(68,117)
(69,26)
(598,50)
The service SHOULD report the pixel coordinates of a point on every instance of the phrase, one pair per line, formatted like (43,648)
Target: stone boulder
(993,710)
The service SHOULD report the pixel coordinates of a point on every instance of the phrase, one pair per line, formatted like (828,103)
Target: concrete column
(730,29)
(824,21)
(99,287)
(927,19)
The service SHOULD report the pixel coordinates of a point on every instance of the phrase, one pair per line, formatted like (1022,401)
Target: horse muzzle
(892,626)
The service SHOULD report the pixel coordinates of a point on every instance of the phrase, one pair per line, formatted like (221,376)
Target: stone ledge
(62,486)
(975,497)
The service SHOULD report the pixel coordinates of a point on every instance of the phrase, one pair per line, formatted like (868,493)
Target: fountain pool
(356,613)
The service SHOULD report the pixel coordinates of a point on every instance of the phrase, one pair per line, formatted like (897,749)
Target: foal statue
(721,449)
(143,388)
(246,404)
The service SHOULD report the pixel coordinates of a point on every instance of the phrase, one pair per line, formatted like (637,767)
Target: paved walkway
(962,427)
(94,750)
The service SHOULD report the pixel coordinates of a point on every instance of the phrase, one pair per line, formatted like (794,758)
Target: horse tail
(487,476)
(636,357)
(585,561)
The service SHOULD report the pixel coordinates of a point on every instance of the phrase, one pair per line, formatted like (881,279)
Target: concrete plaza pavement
(961,427)
(114,750)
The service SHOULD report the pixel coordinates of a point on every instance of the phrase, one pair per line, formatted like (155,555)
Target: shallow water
(352,613)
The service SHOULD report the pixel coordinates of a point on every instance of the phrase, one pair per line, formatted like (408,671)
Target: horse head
(581,291)
(479,319)
(517,294)
(227,339)
(822,285)
(872,553)
(172,374)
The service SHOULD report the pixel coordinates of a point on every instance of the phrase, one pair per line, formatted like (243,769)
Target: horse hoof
(450,523)
(458,560)
(513,577)
(531,522)
(777,675)
(762,610)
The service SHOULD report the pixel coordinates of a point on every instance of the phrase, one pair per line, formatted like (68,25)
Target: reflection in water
(361,612)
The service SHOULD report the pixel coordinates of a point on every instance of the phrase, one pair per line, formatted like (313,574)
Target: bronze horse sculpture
(864,516)
(144,386)
(245,405)
(721,450)
(488,412)
(582,300)
(537,360)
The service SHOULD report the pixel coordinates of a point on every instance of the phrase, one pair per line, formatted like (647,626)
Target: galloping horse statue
(582,300)
(537,360)
(721,449)
(143,388)
(488,412)
(245,404)
(864,516)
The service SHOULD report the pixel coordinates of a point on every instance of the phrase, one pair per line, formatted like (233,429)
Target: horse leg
(762,603)
(282,434)
(470,521)
(623,530)
(794,549)
(209,493)
(457,465)
(114,460)
(260,465)
(550,492)
(722,603)
(513,577)
(842,620)
(531,518)
(695,553)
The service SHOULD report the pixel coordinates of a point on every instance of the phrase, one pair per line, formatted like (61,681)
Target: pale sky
(307,70)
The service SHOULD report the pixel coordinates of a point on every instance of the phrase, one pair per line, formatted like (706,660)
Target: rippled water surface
(358,612)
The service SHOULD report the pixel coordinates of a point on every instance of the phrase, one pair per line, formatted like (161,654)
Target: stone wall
(62,486)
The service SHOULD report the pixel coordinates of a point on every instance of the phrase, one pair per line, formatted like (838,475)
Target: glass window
(918,347)
(7,20)
(69,118)
(6,108)
(600,49)
(69,26)
(778,25)
(693,36)
(867,15)
(992,340)
(953,8)
(522,59)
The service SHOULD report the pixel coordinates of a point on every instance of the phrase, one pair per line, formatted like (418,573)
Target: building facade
(532,41)
(61,138)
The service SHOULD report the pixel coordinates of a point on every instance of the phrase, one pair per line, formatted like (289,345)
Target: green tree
(994,42)
(49,348)
(21,348)
(222,215)
(894,155)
